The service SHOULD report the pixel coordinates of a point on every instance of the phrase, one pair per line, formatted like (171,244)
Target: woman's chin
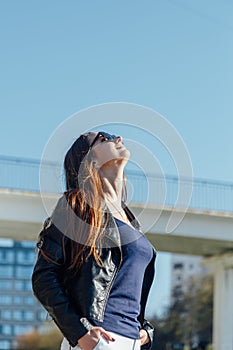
(125,154)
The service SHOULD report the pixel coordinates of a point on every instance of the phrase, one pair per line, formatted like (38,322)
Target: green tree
(189,318)
(49,338)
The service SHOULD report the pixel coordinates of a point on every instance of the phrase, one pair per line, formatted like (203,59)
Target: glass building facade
(20,312)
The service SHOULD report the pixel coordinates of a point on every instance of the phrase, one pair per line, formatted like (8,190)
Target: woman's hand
(144,337)
(91,338)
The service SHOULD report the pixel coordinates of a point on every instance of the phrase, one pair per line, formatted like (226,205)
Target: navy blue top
(123,305)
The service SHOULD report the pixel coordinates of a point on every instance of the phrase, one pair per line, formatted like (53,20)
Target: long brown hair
(84,196)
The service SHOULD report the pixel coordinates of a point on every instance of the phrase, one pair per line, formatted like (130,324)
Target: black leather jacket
(73,301)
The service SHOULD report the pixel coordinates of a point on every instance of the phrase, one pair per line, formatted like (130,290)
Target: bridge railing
(23,174)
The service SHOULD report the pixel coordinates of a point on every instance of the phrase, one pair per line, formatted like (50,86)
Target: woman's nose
(119,139)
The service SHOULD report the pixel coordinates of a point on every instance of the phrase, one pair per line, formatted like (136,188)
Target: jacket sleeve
(48,286)
(147,326)
(147,282)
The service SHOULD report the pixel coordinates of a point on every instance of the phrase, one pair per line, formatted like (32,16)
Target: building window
(21,329)
(5,299)
(6,315)
(42,315)
(18,300)
(28,285)
(5,329)
(18,315)
(6,285)
(5,345)
(177,266)
(24,272)
(28,244)
(28,315)
(6,256)
(19,285)
(6,271)
(25,257)
(29,300)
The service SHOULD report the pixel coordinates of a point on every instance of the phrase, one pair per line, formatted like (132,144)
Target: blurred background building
(184,270)
(19,310)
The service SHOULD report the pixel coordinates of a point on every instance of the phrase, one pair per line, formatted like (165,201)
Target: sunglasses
(106,138)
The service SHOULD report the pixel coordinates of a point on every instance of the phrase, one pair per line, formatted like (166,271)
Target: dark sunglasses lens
(108,136)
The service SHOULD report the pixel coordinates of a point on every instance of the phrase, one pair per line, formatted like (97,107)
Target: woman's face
(107,152)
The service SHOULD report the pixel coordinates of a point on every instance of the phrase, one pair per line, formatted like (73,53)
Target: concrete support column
(223,301)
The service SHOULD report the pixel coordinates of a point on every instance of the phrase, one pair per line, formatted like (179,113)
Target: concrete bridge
(205,230)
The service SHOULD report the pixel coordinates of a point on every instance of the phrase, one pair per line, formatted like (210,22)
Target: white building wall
(184,269)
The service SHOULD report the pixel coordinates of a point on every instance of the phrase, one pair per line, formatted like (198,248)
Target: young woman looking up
(95,267)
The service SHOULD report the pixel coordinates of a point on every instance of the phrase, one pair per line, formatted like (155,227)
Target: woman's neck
(112,182)
(112,188)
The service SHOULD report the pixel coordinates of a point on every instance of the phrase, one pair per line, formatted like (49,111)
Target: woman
(95,267)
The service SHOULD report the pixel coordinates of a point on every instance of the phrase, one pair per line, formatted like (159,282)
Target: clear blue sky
(175,56)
